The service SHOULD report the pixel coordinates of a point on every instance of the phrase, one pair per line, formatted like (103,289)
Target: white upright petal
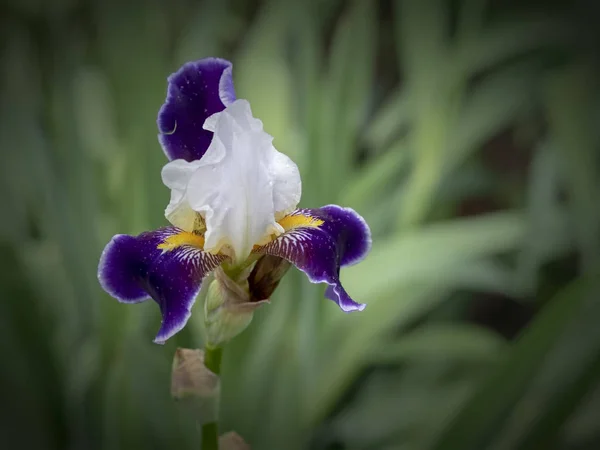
(241,186)
(287,187)
(176,176)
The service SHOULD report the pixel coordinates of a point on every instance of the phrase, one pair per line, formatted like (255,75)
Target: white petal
(180,214)
(242,184)
(176,176)
(287,186)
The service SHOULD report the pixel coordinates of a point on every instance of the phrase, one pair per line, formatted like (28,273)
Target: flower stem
(210,430)
(212,359)
(210,436)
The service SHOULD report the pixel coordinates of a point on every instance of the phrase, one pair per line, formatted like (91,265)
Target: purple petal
(319,241)
(196,91)
(353,233)
(133,269)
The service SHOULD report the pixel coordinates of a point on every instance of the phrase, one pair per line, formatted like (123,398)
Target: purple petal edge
(356,234)
(339,295)
(114,272)
(196,91)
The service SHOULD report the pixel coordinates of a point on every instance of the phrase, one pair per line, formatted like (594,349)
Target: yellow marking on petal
(180,239)
(299,221)
(285,224)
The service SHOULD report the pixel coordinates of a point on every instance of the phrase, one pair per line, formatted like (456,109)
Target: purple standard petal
(318,242)
(162,265)
(196,91)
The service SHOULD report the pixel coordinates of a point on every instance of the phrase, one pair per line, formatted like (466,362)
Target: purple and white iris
(233,201)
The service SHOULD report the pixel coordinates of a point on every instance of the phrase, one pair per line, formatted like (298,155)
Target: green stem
(212,359)
(210,436)
(210,430)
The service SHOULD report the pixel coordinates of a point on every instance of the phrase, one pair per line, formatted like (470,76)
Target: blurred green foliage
(465,132)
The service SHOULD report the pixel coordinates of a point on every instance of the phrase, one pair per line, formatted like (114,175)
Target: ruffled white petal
(241,186)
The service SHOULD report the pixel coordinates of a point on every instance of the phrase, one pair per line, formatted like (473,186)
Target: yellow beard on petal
(299,221)
(194,239)
(180,239)
(288,223)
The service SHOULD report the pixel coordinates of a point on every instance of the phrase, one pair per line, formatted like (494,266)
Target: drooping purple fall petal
(135,268)
(319,242)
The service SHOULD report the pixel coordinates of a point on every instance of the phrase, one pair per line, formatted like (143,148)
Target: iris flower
(233,201)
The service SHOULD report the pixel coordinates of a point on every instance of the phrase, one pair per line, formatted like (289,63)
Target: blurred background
(466,132)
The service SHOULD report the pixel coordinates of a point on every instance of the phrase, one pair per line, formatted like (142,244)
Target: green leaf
(347,87)
(306,64)
(497,102)
(566,379)
(263,76)
(395,406)
(582,427)
(571,101)
(441,341)
(400,280)
(547,426)
(549,232)
(373,180)
(503,41)
(480,421)
(391,117)
(423,39)
(422,254)
(471,18)
(93,110)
